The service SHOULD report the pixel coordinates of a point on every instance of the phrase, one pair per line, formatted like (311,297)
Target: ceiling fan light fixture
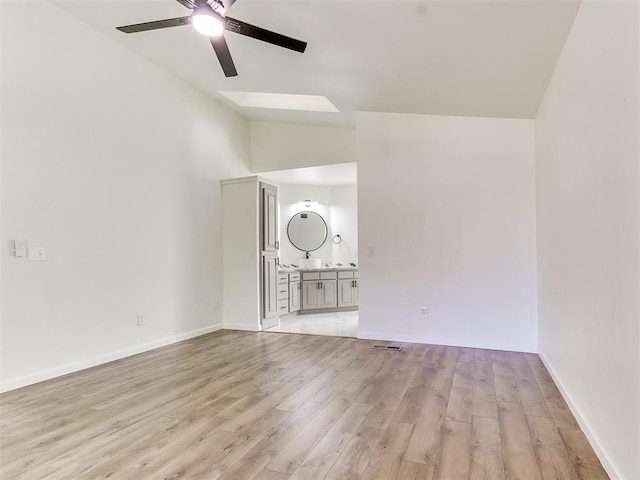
(206,22)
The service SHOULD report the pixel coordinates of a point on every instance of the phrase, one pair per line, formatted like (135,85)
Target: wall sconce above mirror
(308,203)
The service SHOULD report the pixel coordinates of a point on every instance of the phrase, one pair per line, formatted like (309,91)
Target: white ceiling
(469,58)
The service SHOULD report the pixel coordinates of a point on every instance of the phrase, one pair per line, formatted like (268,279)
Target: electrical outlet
(372,251)
(423,311)
(36,254)
(140,320)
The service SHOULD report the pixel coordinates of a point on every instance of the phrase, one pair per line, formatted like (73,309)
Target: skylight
(281,101)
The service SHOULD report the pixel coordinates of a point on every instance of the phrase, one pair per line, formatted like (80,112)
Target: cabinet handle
(321,285)
(353,283)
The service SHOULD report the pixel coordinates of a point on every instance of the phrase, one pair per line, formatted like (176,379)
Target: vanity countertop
(288,270)
(322,269)
(327,269)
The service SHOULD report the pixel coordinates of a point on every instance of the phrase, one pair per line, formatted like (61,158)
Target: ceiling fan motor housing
(216,5)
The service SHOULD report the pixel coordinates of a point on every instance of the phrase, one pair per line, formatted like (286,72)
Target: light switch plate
(20,248)
(37,254)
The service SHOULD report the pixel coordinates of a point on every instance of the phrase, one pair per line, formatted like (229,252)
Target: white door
(269,218)
(270,289)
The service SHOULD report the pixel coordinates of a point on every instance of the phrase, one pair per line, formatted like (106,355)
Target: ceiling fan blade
(188,3)
(142,27)
(224,56)
(237,26)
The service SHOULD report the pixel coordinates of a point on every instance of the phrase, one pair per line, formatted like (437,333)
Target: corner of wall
(596,442)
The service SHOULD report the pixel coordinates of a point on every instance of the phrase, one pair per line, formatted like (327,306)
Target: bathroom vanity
(312,289)
(318,290)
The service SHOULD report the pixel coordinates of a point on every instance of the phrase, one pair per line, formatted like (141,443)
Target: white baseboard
(594,439)
(249,327)
(101,359)
(367,335)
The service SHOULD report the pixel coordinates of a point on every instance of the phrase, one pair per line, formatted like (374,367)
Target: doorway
(328,193)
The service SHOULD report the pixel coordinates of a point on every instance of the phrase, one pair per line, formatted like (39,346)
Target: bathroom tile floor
(336,324)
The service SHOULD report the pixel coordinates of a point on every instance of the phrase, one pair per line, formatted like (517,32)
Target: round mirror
(307,231)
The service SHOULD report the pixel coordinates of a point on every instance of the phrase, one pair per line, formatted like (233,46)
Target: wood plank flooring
(266,406)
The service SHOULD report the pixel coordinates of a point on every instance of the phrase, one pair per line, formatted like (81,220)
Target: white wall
(448,204)
(114,166)
(337,205)
(241,255)
(587,157)
(281,146)
(344,221)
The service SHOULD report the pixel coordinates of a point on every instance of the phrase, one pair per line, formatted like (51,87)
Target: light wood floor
(265,406)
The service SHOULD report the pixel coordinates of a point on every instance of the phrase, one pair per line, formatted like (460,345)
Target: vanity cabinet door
(311,295)
(328,293)
(356,289)
(319,294)
(294,296)
(346,293)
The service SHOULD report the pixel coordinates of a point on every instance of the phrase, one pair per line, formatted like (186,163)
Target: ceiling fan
(209,18)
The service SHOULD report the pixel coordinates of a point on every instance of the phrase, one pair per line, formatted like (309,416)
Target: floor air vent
(393,348)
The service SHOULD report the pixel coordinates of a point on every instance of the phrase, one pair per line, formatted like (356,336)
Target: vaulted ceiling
(469,58)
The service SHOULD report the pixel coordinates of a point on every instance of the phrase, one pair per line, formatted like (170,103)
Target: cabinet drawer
(283,291)
(328,275)
(345,274)
(311,276)
(283,305)
(283,278)
(294,277)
